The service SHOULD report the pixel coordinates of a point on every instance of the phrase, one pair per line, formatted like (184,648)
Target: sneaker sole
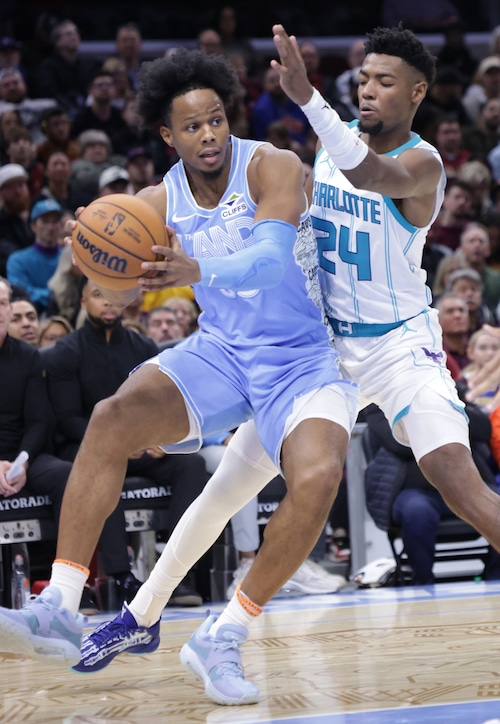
(191,662)
(16,640)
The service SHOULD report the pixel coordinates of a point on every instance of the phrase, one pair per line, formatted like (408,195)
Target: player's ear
(419,91)
(166,135)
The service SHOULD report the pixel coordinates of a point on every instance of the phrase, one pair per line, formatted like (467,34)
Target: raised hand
(293,74)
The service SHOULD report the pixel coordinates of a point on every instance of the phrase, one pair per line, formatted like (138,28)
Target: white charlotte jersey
(370,255)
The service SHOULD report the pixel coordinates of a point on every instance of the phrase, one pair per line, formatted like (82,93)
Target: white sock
(70,580)
(235,612)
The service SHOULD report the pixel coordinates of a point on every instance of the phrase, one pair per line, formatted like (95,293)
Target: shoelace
(104,632)
(229,667)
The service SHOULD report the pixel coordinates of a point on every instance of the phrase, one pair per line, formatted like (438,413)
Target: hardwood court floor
(380,656)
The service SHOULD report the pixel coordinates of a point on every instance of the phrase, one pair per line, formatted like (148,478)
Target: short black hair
(404,44)
(163,79)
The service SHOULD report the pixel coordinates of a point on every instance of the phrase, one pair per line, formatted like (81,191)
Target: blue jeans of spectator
(418,513)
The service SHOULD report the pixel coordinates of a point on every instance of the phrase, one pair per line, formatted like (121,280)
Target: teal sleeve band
(261,266)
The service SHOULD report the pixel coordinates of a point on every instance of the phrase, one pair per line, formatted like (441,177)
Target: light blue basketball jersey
(370,255)
(293,310)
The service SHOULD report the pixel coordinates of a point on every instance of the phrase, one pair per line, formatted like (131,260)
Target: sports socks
(240,610)
(69,578)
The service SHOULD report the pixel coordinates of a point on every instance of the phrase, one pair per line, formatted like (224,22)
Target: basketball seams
(132,215)
(112,243)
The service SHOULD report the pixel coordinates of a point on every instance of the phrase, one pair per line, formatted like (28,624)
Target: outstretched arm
(411,175)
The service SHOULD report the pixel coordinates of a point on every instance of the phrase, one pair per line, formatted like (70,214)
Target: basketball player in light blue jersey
(241,233)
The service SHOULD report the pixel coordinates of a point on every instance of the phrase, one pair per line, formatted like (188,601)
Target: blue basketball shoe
(42,629)
(217,662)
(121,635)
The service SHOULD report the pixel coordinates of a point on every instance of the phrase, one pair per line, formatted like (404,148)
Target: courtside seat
(146,504)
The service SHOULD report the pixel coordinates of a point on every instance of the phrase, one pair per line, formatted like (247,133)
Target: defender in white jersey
(241,234)
(377,189)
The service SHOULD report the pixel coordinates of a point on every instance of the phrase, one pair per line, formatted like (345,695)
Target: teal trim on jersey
(400,415)
(414,141)
(398,215)
(360,329)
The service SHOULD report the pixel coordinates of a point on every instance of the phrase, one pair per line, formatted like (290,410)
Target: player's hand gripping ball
(113,236)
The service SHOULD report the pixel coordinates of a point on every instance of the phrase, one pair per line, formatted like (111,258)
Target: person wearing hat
(31,268)
(56,124)
(15,231)
(10,54)
(114,180)
(141,169)
(96,154)
(486,84)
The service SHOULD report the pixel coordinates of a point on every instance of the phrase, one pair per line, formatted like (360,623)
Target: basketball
(113,236)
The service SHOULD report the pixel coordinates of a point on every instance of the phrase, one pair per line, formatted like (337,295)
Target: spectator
(14,95)
(455,51)
(454,321)
(9,120)
(64,298)
(355,57)
(134,136)
(57,185)
(326,86)
(21,150)
(232,40)
(10,54)
(274,105)
(65,75)
(449,144)
(32,267)
(475,248)
(24,323)
(468,285)
(484,135)
(114,180)
(251,86)
(448,264)
(491,222)
(444,96)
(140,169)
(25,415)
(101,114)
(413,504)
(444,235)
(15,232)
(95,155)
(52,329)
(483,346)
(186,312)
(209,40)
(128,43)
(89,365)
(56,124)
(162,326)
(486,84)
(123,90)
(478,177)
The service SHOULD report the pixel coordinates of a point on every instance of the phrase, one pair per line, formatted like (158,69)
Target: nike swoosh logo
(176,218)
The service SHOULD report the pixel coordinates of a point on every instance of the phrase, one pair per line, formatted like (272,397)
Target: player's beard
(371,130)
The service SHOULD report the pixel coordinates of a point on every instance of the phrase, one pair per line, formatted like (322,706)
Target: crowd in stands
(70,132)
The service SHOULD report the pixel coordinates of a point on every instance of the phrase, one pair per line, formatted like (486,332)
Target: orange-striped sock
(240,610)
(70,579)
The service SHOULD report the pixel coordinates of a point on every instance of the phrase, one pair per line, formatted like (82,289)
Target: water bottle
(20,588)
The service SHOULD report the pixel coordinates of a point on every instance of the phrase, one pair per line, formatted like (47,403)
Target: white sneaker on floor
(312,578)
(238,575)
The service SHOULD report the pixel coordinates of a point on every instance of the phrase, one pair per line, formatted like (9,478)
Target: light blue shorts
(224,386)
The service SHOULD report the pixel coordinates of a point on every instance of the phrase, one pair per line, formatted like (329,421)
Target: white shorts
(392,368)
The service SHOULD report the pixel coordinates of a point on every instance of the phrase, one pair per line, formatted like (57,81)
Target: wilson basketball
(113,236)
